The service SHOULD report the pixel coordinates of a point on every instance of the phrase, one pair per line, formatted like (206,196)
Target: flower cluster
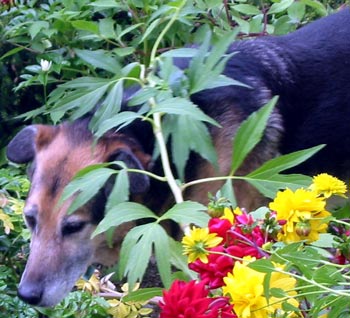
(248,264)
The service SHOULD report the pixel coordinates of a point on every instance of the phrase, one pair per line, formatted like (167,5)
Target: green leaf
(162,253)
(187,212)
(81,186)
(183,52)
(268,186)
(120,190)
(109,107)
(85,25)
(100,59)
(278,293)
(143,294)
(182,106)
(117,121)
(86,82)
(185,128)
(262,266)
(321,9)
(139,242)
(178,259)
(107,4)
(136,252)
(246,9)
(36,27)
(280,6)
(106,28)
(121,213)
(250,133)
(284,162)
(78,98)
(12,52)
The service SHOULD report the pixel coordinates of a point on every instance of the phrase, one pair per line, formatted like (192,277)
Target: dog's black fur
(310,72)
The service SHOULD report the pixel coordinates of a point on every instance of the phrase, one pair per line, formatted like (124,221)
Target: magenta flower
(190,300)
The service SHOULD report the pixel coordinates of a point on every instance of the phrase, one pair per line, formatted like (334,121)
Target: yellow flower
(245,287)
(197,242)
(327,185)
(301,206)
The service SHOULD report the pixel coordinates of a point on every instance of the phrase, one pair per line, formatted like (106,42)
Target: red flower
(189,300)
(215,270)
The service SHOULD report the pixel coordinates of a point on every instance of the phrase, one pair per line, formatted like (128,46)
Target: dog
(308,69)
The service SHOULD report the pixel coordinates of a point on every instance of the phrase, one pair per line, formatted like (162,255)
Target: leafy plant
(87,52)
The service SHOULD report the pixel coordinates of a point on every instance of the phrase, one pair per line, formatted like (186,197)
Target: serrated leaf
(162,254)
(81,186)
(184,128)
(262,266)
(143,294)
(182,106)
(109,107)
(270,185)
(284,162)
(75,100)
(99,59)
(187,212)
(140,250)
(117,121)
(250,133)
(120,190)
(121,213)
(178,259)
(86,82)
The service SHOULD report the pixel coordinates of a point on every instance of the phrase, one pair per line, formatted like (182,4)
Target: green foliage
(98,48)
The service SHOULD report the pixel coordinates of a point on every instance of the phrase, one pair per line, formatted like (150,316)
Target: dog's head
(61,248)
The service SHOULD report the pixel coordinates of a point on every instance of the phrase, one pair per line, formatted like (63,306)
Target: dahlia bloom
(327,185)
(300,207)
(190,300)
(245,287)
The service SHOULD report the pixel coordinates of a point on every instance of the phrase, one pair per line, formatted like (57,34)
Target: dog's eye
(31,222)
(73,227)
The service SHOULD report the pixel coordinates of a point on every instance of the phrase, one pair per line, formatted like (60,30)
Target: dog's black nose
(30,293)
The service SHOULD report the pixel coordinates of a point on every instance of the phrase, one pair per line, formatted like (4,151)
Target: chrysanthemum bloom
(296,208)
(188,300)
(197,243)
(327,185)
(246,291)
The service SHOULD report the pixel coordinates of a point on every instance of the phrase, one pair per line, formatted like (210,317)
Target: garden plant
(288,259)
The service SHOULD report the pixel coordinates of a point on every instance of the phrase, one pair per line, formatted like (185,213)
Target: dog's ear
(28,141)
(21,148)
(139,182)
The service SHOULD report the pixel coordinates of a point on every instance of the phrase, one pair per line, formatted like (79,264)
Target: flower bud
(303,228)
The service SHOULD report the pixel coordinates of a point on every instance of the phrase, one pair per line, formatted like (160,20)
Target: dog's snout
(30,293)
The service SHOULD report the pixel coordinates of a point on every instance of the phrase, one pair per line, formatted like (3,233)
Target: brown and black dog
(310,72)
